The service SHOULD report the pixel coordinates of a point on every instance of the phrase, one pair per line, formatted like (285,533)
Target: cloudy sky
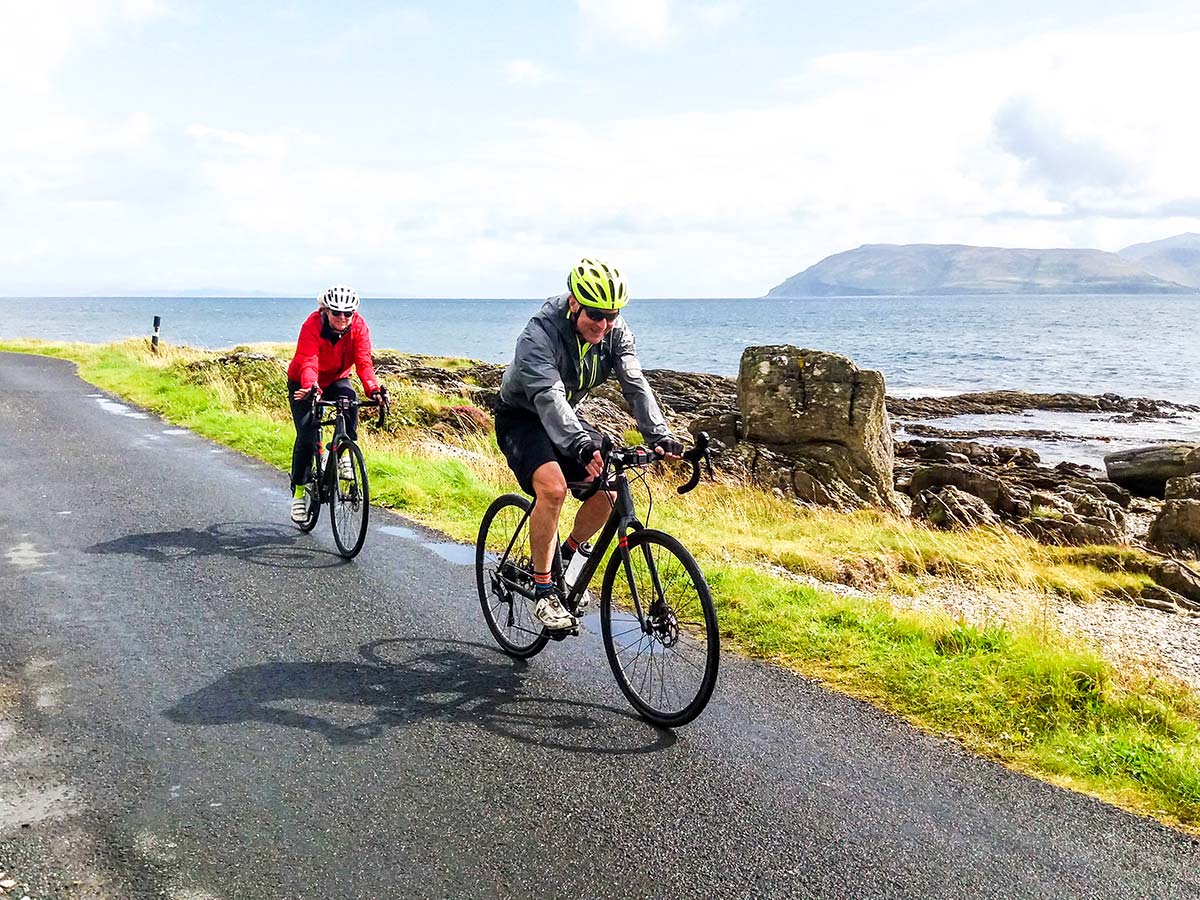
(452,149)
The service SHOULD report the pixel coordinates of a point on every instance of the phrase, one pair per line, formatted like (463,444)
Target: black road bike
(656,613)
(349,499)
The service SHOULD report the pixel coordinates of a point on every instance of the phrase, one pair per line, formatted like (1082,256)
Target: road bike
(349,499)
(656,612)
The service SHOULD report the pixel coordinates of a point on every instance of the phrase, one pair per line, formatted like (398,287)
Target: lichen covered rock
(818,426)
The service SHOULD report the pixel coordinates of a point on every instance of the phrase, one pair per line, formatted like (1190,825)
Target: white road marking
(175,431)
(119,409)
(192,894)
(36,805)
(153,847)
(48,696)
(25,555)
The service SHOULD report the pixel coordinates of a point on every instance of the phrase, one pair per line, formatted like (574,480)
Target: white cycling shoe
(346,467)
(300,509)
(549,610)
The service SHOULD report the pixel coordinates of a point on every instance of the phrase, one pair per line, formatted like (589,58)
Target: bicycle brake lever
(693,481)
(697,454)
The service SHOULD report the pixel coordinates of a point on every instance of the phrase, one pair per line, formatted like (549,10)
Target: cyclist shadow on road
(262,544)
(456,681)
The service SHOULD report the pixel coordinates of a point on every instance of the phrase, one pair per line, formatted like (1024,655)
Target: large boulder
(1073,529)
(1181,580)
(1185,487)
(1012,501)
(817,425)
(1145,470)
(951,508)
(1063,505)
(1177,526)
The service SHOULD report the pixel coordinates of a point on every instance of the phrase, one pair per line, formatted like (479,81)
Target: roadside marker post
(154,337)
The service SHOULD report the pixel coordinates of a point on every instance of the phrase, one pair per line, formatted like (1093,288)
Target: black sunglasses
(599,315)
(340,315)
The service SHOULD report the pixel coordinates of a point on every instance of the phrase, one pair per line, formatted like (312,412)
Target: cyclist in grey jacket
(575,342)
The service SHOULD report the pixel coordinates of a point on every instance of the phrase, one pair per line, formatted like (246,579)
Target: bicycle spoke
(350,501)
(668,670)
(617,634)
(503,570)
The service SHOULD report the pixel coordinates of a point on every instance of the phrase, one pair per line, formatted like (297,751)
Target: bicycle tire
(313,486)
(683,629)
(349,502)
(509,615)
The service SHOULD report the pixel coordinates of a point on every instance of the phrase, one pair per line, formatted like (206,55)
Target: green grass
(1016,691)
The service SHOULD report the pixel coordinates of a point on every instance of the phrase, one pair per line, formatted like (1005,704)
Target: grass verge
(1016,691)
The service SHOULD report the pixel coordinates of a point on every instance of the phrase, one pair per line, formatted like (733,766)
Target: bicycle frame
(620,521)
(338,421)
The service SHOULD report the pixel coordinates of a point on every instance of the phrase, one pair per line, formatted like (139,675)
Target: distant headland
(1170,266)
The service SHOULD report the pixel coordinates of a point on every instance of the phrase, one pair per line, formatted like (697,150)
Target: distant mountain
(957,269)
(1174,258)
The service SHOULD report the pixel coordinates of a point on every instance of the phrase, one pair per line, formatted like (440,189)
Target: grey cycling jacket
(553,370)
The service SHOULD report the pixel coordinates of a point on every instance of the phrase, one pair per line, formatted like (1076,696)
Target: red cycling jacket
(321,361)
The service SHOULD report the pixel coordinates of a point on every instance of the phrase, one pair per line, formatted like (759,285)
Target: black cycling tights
(306,425)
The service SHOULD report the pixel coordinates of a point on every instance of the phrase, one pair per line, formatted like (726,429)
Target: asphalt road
(197,701)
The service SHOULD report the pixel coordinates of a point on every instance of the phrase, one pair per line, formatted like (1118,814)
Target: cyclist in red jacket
(333,340)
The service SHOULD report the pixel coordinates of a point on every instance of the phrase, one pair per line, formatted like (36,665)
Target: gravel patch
(1147,641)
(1135,639)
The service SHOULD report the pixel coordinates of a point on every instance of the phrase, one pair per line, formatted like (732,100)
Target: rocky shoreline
(997,402)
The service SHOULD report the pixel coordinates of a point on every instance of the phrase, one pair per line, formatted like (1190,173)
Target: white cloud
(252,144)
(36,38)
(377,31)
(1043,141)
(525,71)
(721,14)
(644,24)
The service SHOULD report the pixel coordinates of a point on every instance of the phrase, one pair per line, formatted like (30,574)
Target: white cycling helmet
(339,298)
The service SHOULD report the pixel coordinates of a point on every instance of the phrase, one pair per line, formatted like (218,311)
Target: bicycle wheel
(509,614)
(350,501)
(312,486)
(666,662)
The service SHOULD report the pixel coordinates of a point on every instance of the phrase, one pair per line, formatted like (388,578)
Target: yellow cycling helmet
(597,285)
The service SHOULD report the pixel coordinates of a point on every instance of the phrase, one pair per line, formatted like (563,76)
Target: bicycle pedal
(559,634)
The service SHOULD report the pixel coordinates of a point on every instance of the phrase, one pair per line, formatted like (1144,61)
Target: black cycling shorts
(527,447)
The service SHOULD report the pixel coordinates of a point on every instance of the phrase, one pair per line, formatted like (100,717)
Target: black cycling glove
(586,451)
(669,445)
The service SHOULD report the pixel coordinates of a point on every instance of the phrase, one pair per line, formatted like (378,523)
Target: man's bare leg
(592,514)
(550,487)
